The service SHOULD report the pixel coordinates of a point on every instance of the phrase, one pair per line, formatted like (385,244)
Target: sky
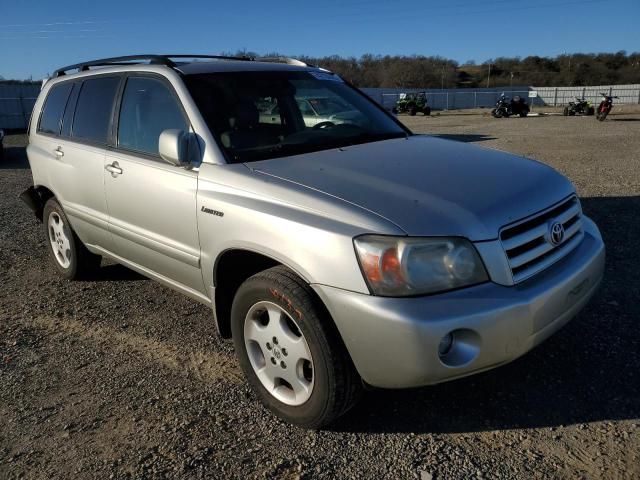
(38,36)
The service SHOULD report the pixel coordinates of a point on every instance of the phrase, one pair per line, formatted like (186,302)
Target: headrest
(246,116)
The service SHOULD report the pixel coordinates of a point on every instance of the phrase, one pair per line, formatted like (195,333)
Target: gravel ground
(121,378)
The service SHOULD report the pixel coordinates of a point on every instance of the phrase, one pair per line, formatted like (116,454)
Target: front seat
(245,131)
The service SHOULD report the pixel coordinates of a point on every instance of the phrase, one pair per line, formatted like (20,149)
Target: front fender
(311,233)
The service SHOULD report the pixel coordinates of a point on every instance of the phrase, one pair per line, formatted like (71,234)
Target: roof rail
(287,60)
(133,59)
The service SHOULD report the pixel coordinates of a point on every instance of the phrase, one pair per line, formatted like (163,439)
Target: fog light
(445,344)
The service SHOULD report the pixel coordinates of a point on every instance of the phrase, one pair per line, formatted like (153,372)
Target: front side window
(53,110)
(94,108)
(305,108)
(315,111)
(148,108)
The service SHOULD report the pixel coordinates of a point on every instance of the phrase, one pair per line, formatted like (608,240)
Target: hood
(428,186)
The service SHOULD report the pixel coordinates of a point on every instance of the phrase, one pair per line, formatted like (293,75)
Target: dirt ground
(119,377)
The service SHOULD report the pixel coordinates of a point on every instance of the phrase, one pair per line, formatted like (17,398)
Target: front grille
(528,244)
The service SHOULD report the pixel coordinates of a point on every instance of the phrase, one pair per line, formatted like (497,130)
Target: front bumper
(394,341)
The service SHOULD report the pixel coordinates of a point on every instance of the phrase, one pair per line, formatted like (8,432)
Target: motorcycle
(506,107)
(605,106)
(580,106)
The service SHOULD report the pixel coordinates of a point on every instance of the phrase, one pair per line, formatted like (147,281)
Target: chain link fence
(453,99)
(16,104)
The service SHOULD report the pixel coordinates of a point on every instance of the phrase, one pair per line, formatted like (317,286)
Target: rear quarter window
(94,109)
(54,105)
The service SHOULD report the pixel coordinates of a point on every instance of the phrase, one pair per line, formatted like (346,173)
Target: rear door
(152,204)
(75,144)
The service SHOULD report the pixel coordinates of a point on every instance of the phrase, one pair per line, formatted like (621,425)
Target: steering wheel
(323,125)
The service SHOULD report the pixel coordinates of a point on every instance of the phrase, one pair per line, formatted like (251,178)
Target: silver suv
(335,255)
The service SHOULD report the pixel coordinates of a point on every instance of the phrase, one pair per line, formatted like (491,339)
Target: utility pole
(489,76)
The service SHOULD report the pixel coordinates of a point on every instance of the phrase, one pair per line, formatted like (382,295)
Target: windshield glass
(262,115)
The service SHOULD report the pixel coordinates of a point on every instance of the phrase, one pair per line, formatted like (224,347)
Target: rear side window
(68,113)
(93,110)
(53,110)
(148,108)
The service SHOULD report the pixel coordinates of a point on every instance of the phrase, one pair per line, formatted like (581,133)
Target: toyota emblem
(556,233)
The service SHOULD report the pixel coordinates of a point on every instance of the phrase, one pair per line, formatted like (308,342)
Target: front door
(151,203)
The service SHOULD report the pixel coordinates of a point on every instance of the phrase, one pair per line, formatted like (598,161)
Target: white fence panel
(627,94)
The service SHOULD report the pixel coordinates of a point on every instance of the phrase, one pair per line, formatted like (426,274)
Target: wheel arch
(35,197)
(231,268)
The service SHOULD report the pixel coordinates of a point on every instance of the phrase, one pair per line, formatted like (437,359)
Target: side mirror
(173,146)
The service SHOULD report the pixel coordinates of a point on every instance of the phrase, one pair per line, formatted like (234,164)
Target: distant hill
(437,72)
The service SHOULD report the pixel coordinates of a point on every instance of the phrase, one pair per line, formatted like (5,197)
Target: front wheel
(290,351)
(70,257)
(413,111)
(565,111)
(497,113)
(427,111)
(602,115)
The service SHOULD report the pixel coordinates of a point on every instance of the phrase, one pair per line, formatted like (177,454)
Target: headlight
(405,266)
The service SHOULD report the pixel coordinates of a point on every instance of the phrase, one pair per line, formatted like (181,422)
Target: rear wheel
(413,111)
(70,257)
(590,111)
(565,111)
(290,351)
(427,111)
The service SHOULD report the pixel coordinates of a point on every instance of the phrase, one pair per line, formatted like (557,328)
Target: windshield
(262,115)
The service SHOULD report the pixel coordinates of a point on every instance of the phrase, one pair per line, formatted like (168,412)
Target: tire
(67,252)
(602,115)
(496,113)
(523,113)
(328,384)
(591,111)
(427,111)
(413,111)
(565,111)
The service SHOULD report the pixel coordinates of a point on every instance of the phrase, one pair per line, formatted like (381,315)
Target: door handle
(114,169)
(58,152)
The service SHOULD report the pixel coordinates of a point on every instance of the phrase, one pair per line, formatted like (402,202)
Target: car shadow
(115,272)
(589,371)
(464,137)
(14,158)
(625,119)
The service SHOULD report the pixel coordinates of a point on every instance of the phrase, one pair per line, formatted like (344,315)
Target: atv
(413,103)
(580,106)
